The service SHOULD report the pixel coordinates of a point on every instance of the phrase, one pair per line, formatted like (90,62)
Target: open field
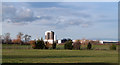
(21,55)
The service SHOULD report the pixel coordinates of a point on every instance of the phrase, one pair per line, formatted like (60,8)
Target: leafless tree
(19,37)
(1,37)
(7,38)
(27,37)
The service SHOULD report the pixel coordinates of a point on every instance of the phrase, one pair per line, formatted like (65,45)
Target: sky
(75,20)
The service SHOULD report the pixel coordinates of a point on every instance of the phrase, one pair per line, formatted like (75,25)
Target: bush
(33,44)
(47,45)
(40,44)
(89,46)
(113,47)
(54,45)
(68,45)
(76,45)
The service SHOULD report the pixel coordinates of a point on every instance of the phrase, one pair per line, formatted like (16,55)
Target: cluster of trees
(76,45)
(21,38)
(40,44)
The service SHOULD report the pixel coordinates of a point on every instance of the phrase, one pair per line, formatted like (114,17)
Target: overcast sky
(75,20)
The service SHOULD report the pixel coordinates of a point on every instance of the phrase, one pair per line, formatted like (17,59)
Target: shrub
(54,45)
(68,45)
(33,44)
(40,44)
(89,46)
(113,47)
(76,45)
(47,45)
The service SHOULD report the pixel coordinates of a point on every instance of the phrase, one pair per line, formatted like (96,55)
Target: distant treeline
(25,39)
(21,39)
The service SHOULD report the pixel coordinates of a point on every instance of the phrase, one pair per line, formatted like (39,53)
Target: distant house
(63,41)
(59,41)
(108,42)
(104,42)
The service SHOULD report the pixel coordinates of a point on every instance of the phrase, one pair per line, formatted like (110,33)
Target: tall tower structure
(49,37)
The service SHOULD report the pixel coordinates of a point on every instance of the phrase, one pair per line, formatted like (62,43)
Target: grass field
(61,47)
(28,55)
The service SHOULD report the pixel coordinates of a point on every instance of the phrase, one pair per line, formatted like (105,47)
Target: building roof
(49,31)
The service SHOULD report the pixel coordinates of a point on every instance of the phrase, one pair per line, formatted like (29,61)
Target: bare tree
(27,37)
(19,37)
(1,38)
(7,38)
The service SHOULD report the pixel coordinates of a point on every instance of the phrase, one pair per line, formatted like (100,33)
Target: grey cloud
(24,14)
(17,15)
(46,17)
(55,17)
(81,14)
(61,22)
(13,14)
(8,11)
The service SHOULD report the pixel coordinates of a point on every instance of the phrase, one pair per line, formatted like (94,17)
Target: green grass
(15,46)
(57,56)
(85,47)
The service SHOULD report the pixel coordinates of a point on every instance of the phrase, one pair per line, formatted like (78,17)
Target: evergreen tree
(54,45)
(68,44)
(89,46)
(40,44)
